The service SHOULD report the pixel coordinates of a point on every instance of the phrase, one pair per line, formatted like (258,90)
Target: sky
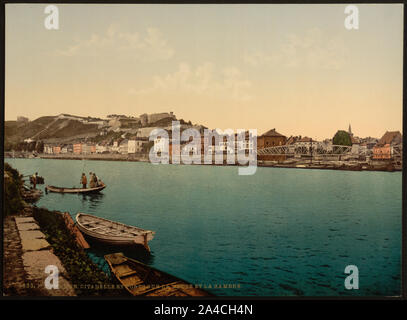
(295,68)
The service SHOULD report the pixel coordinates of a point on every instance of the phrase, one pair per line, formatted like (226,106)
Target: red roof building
(383,150)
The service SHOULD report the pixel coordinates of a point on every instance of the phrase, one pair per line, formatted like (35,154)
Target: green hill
(46,128)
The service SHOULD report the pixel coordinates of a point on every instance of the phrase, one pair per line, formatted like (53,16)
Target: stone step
(24,220)
(34,245)
(27,226)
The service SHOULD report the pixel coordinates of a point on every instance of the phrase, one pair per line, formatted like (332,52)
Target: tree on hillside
(31,146)
(8,146)
(39,148)
(342,138)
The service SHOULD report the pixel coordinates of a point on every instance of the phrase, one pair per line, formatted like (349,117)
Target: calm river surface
(280,232)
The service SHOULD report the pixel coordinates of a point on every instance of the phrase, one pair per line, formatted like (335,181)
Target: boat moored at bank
(112,232)
(142,280)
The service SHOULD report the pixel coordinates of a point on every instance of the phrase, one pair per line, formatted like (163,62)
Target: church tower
(350,130)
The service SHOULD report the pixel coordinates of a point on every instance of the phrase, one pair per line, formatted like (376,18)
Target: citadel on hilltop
(128,136)
(66,133)
(114,119)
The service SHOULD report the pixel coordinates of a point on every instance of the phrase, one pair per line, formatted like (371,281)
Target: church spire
(350,130)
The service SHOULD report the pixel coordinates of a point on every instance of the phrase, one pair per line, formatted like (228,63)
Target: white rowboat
(111,232)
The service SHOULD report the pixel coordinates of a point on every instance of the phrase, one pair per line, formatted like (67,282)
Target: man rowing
(84,181)
(34,179)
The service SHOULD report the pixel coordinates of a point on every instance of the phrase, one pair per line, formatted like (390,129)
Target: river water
(280,232)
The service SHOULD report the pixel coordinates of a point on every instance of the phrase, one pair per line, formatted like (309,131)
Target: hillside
(69,128)
(46,128)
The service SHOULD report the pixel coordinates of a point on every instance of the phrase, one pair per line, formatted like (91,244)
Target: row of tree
(34,146)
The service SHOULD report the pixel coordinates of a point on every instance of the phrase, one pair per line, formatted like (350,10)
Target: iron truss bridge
(315,150)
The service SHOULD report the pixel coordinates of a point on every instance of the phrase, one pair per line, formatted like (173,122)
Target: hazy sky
(294,67)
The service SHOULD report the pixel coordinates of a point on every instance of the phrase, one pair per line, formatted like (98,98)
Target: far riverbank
(291,163)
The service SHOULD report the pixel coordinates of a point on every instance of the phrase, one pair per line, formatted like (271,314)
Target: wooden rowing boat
(111,232)
(142,280)
(74,190)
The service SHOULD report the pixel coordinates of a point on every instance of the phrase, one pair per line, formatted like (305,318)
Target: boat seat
(87,223)
(129,273)
(131,284)
(96,228)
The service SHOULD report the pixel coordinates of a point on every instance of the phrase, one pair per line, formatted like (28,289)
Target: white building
(305,142)
(189,149)
(131,146)
(160,144)
(355,148)
(123,147)
(100,148)
(154,117)
(135,146)
(100,123)
(355,144)
(86,149)
(115,147)
(246,146)
(48,149)
(70,117)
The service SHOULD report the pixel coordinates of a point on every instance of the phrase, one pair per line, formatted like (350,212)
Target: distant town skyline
(348,129)
(290,67)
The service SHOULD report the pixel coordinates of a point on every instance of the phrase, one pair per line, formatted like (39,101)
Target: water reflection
(303,219)
(98,250)
(93,199)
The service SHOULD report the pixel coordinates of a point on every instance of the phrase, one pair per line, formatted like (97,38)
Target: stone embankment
(103,157)
(39,244)
(26,256)
(298,163)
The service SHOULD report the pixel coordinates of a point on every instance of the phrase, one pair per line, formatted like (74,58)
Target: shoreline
(384,166)
(62,245)
(36,238)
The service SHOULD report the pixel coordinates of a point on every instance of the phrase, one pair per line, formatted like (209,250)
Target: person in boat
(84,180)
(34,180)
(91,180)
(95,180)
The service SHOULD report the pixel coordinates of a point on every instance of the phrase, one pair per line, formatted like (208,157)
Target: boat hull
(140,239)
(74,190)
(142,280)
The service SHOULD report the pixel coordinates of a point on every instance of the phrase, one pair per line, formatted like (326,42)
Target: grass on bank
(84,274)
(13,201)
(79,266)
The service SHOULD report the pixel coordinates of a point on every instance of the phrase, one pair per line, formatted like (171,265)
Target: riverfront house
(77,148)
(271,139)
(101,147)
(123,146)
(385,148)
(48,149)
